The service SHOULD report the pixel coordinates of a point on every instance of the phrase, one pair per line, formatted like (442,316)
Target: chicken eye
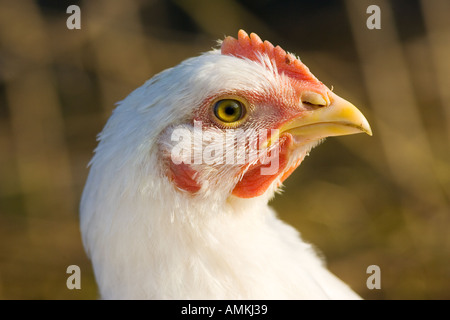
(228,110)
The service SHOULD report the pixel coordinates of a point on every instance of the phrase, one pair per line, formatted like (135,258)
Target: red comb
(251,47)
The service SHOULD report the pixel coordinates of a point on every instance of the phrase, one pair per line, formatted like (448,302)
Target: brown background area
(361,200)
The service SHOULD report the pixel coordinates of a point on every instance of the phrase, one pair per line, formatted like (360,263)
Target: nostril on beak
(313,99)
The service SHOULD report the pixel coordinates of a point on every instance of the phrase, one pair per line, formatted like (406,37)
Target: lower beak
(338,118)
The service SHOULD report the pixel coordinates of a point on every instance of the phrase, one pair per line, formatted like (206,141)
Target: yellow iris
(228,110)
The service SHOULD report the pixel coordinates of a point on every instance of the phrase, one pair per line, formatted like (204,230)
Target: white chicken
(176,202)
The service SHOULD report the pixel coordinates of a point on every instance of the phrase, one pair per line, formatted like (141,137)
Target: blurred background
(381,200)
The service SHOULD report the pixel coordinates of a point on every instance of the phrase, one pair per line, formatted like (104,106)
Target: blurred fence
(387,197)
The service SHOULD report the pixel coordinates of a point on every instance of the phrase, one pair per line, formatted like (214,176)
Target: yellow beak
(338,118)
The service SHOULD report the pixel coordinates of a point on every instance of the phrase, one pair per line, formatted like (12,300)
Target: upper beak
(338,118)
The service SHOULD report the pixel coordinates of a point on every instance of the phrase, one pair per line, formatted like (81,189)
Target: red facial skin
(264,111)
(253,183)
(272,114)
(183,176)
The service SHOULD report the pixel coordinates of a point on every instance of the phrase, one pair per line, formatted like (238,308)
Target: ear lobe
(183,176)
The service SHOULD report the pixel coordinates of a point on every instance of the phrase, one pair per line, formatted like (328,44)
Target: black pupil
(231,109)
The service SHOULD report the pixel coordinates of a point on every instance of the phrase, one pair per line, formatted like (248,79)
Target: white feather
(146,239)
